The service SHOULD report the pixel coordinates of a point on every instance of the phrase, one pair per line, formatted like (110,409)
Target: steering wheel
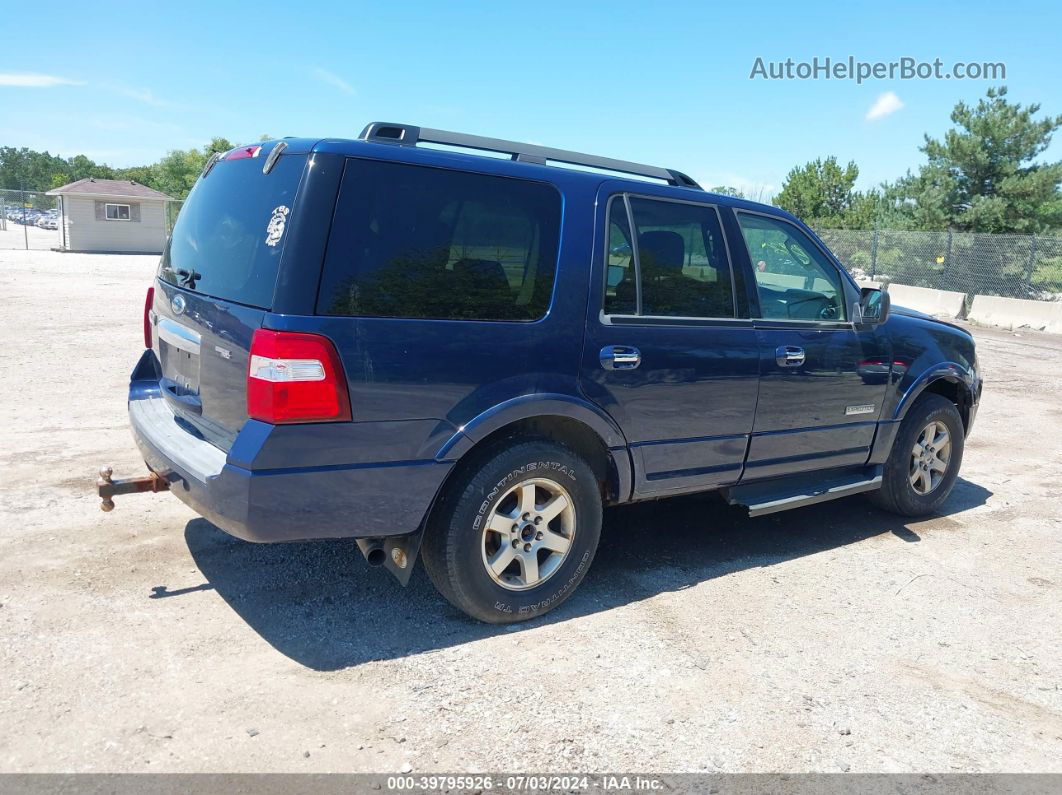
(828,312)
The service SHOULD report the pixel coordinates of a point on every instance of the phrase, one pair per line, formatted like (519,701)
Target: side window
(682,260)
(794,279)
(620,290)
(417,242)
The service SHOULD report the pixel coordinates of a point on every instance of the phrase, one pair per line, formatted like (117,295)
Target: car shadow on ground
(320,604)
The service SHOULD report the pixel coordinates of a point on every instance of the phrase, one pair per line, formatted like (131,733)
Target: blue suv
(465,358)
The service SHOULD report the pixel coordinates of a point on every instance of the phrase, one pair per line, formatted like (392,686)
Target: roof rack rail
(411,135)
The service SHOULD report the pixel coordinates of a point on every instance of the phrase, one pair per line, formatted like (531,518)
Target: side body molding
(545,405)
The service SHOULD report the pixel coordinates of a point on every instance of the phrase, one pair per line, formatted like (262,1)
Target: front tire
(925,459)
(515,534)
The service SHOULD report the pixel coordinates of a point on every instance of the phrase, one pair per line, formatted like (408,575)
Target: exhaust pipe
(373,550)
(397,554)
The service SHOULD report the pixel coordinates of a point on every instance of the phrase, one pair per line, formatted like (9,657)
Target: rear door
(216,282)
(821,382)
(670,352)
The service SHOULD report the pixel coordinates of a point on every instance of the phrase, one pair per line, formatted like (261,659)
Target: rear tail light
(149,302)
(293,377)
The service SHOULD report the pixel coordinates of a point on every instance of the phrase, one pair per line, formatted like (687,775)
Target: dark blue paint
(707,407)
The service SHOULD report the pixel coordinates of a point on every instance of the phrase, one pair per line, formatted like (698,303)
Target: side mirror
(873,306)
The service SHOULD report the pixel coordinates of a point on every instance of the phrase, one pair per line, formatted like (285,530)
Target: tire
(497,491)
(897,493)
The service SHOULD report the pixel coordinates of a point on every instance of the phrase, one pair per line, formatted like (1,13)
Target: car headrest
(662,248)
(487,271)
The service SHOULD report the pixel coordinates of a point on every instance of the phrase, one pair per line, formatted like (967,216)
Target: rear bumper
(278,504)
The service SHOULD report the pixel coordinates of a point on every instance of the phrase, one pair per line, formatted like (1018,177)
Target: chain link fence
(32,220)
(1013,266)
(172,208)
(29,220)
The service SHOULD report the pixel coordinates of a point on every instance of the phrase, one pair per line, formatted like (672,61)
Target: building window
(117,212)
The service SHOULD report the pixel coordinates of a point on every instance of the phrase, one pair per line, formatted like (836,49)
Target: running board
(782,494)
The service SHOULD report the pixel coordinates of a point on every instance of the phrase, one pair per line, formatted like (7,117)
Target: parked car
(466,358)
(48,222)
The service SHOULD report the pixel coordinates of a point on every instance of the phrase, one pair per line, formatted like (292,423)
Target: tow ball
(108,487)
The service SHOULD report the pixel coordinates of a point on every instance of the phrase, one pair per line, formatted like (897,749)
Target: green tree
(726,190)
(983,176)
(822,193)
(40,171)
(177,172)
(145,175)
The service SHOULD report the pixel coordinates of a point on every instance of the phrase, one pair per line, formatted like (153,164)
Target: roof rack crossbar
(411,135)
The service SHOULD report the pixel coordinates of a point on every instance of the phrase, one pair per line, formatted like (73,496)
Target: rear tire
(515,534)
(925,459)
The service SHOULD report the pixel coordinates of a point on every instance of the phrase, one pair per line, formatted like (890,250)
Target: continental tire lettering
(545,603)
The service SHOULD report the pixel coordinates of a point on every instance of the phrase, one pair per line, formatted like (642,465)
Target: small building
(111,215)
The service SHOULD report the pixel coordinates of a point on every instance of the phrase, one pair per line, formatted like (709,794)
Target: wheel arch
(949,381)
(571,421)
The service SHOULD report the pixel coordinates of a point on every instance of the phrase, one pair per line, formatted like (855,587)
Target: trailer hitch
(108,488)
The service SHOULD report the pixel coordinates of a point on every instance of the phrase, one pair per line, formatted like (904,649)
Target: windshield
(230,232)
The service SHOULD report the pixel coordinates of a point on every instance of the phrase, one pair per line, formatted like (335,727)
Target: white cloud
(888,103)
(332,79)
(34,80)
(144,95)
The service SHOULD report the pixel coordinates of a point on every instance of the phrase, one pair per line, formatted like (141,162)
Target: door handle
(171,390)
(789,356)
(620,357)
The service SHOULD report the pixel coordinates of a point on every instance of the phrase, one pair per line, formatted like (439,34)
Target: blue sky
(665,83)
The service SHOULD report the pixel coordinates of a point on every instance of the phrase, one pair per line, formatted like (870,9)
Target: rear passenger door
(670,351)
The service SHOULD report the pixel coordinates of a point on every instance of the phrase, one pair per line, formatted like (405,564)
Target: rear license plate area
(179,355)
(180,367)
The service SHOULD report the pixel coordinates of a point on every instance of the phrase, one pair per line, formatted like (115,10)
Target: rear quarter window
(420,242)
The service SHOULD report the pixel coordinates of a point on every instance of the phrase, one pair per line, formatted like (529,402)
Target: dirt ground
(829,638)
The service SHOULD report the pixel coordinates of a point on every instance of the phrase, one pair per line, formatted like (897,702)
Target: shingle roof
(109,187)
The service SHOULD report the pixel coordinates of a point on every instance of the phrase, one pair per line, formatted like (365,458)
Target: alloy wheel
(528,534)
(929,458)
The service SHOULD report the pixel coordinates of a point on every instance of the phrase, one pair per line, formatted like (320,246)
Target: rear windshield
(230,232)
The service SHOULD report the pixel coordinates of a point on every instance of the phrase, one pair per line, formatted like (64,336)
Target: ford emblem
(178,304)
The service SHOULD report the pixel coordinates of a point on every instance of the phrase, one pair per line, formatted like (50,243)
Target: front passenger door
(821,377)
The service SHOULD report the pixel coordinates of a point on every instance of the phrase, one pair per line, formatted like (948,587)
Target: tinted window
(410,241)
(794,279)
(620,292)
(221,231)
(681,260)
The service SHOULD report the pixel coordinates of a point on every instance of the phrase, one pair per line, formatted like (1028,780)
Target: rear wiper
(210,163)
(187,277)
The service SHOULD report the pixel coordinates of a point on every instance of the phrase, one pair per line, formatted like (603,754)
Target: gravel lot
(16,236)
(829,638)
